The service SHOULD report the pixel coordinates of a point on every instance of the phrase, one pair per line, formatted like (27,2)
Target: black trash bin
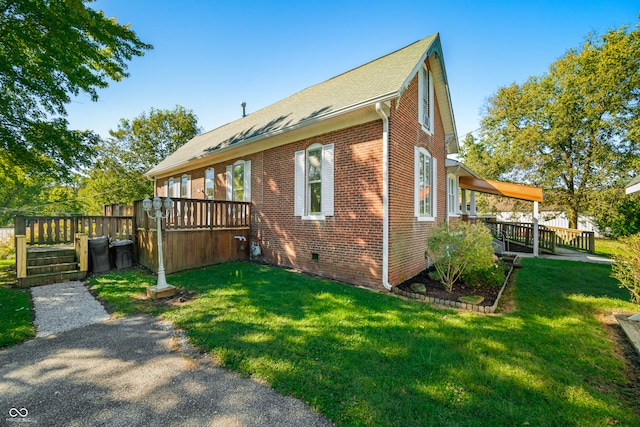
(99,254)
(123,253)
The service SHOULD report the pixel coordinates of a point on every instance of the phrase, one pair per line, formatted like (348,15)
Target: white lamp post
(162,289)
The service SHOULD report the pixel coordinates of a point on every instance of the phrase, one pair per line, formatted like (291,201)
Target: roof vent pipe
(244,105)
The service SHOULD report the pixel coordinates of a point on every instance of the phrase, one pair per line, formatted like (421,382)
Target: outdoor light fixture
(162,288)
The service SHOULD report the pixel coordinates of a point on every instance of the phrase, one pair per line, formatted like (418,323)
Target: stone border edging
(457,304)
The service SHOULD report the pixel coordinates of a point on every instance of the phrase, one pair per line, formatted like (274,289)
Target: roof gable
(380,80)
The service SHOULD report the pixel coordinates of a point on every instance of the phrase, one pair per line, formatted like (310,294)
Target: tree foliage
(573,130)
(51,50)
(146,140)
(19,189)
(616,214)
(135,147)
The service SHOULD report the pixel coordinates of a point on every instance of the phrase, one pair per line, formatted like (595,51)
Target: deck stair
(51,264)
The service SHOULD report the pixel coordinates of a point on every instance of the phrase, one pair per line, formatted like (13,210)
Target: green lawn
(365,358)
(15,308)
(608,247)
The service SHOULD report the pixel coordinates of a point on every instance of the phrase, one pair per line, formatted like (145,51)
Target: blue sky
(209,56)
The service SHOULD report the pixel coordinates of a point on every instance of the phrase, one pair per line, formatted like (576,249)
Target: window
(425,182)
(239,181)
(453,190)
(185,186)
(425,106)
(173,187)
(209,176)
(314,182)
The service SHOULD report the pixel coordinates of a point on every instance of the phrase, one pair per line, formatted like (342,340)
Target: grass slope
(364,358)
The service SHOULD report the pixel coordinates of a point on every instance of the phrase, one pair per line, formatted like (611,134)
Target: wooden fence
(118,209)
(522,234)
(57,230)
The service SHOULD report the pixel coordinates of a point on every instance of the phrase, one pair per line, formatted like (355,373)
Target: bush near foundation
(458,249)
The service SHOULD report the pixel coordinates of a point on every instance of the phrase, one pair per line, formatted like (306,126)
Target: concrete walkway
(134,371)
(569,255)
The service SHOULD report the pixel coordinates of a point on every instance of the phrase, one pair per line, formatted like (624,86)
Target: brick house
(345,177)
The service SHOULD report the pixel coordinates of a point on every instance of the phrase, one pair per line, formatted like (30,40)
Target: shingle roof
(375,81)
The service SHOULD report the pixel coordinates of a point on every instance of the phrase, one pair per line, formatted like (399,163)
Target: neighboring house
(345,177)
(633,186)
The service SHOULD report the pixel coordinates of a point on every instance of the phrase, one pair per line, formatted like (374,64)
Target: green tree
(135,147)
(19,191)
(51,50)
(146,140)
(616,214)
(573,130)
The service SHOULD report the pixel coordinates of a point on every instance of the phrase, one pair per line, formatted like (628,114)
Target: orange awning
(507,189)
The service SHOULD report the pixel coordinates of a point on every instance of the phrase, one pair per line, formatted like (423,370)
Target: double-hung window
(209,176)
(172,186)
(239,181)
(425,185)
(185,186)
(453,192)
(313,191)
(426,104)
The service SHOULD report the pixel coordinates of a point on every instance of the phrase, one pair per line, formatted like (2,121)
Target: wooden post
(592,242)
(82,251)
(21,256)
(535,229)
(20,226)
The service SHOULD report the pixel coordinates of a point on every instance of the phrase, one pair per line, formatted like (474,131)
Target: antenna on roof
(244,105)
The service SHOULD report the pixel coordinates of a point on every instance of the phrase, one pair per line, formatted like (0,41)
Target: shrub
(458,248)
(7,249)
(492,277)
(626,267)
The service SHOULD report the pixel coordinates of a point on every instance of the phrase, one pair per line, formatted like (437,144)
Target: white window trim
(211,180)
(428,127)
(247,180)
(434,186)
(453,209)
(301,198)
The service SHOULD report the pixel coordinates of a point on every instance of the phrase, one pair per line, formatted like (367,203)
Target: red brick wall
(407,235)
(348,244)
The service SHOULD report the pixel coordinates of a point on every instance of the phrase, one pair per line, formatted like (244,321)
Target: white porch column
(464,201)
(535,229)
(472,204)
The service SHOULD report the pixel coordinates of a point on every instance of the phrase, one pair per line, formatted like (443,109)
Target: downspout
(385,196)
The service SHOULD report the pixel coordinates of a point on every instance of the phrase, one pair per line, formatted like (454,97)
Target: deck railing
(575,239)
(55,230)
(522,234)
(196,214)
